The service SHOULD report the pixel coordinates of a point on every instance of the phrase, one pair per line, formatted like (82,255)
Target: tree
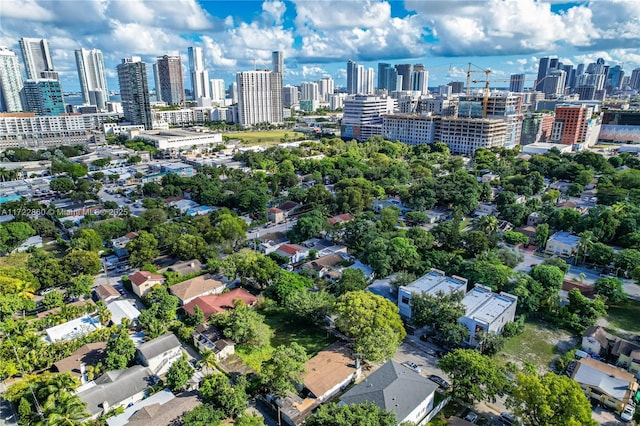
(611,289)
(585,243)
(203,415)
(284,370)
(80,286)
(551,195)
(18,232)
(308,225)
(142,249)
(52,300)
(389,218)
(367,414)
(549,400)
(626,260)
(179,374)
(601,254)
(489,343)
(475,242)
(232,232)
(230,400)
(189,247)
(542,234)
(361,314)
(245,326)
(64,409)
(475,377)
(82,262)
(312,306)
(120,350)
(351,280)
(249,420)
(87,239)
(548,275)
(515,238)
(62,185)
(441,314)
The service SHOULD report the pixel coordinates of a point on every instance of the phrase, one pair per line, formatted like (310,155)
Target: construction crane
(486,92)
(469,71)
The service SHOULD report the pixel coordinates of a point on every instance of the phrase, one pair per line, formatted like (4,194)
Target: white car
(471,417)
(627,413)
(412,366)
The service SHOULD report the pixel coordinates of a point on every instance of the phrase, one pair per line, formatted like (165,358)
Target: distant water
(76,99)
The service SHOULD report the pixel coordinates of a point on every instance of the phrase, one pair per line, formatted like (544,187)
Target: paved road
(260,231)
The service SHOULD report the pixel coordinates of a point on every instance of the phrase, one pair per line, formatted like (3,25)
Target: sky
(319,36)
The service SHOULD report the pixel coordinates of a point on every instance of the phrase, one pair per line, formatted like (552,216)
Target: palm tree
(64,409)
(585,243)
(208,361)
(487,224)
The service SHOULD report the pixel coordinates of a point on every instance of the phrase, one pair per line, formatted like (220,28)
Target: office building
(389,78)
(536,128)
(554,83)
(352,77)
(420,81)
(289,96)
(634,81)
(457,87)
(170,79)
(362,116)
(382,67)
(543,69)
(233,92)
(465,135)
(516,83)
(277,76)
(410,129)
(134,92)
(218,92)
(37,58)
(277,62)
(256,97)
(10,81)
(44,97)
(92,76)
(571,124)
(325,88)
(405,71)
(199,74)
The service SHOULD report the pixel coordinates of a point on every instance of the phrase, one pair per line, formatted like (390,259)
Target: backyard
(271,137)
(538,344)
(624,316)
(287,328)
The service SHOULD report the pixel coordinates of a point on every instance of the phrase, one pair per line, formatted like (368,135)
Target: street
(254,233)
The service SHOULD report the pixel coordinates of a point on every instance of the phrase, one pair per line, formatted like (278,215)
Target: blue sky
(319,36)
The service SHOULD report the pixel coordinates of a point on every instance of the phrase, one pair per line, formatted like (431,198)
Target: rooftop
(290,249)
(329,368)
(614,381)
(89,354)
(565,238)
(485,306)
(122,309)
(73,329)
(106,291)
(194,287)
(216,303)
(159,346)
(141,277)
(435,282)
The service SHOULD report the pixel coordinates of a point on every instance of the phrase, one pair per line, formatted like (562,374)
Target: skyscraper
(325,87)
(217,89)
(634,81)
(543,69)
(277,76)
(37,58)
(199,75)
(554,83)
(156,80)
(44,97)
(134,91)
(382,67)
(289,96)
(352,77)
(256,97)
(420,81)
(277,61)
(516,83)
(93,79)
(10,81)
(171,81)
(405,71)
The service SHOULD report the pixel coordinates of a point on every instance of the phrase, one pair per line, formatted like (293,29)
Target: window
(405,300)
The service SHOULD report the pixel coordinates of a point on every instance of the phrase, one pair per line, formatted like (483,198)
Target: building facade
(516,83)
(170,80)
(487,312)
(258,96)
(571,124)
(11,83)
(37,58)
(199,74)
(409,129)
(465,135)
(134,92)
(44,97)
(363,116)
(93,79)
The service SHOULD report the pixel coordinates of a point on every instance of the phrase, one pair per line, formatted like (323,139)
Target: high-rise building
(289,96)
(405,71)
(466,135)
(37,58)
(233,92)
(93,79)
(217,89)
(134,91)
(571,123)
(309,92)
(420,81)
(277,77)
(369,81)
(570,81)
(457,86)
(171,81)
(352,77)
(325,87)
(382,67)
(199,74)
(156,79)
(554,83)
(362,116)
(389,78)
(616,74)
(516,83)
(277,61)
(256,97)
(44,97)
(543,69)
(10,81)
(634,81)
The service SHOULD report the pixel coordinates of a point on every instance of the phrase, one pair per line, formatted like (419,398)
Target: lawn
(286,328)
(538,344)
(15,260)
(271,137)
(625,316)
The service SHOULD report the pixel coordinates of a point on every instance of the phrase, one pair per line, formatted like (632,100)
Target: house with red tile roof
(341,218)
(217,303)
(275,215)
(143,281)
(202,285)
(293,252)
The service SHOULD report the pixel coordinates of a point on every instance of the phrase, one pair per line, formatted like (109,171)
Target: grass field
(625,316)
(538,344)
(286,329)
(271,137)
(15,260)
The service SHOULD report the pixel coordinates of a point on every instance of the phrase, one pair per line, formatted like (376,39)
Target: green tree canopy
(179,374)
(368,414)
(284,370)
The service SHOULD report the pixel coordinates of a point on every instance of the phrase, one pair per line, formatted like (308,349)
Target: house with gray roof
(396,388)
(113,389)
(160,353)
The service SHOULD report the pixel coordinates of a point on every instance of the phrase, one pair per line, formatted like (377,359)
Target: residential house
(86,355)
(31,242)
(160,353)
(275,215)
(121,309)
(184,205)
(535,219)
(106,293)
(394,387)
(562,244)
(207,337)
(432,283)
(322,265)
(489,177)
(288,208)
(435,215)
(486,209)
(271,241)
(596,341)
(216,303)
(612,386)
(73,329)
(202,285)
(327,373)
(529,231)
(114,389)
(119,245)
(292,252)
(486,311)
(188,267)
(143,281)
(627,355)
(341,218)
(162,408)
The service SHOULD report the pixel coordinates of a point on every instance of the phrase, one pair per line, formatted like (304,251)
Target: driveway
(606,417)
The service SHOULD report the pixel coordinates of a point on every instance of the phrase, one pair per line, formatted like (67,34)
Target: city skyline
(317,38)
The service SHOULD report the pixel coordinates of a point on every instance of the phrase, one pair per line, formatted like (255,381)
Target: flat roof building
(433,283)
(73,329)
(487,311)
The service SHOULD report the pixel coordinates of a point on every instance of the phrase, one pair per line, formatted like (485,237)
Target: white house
(487,311)
(432,283)
(160,353)
(562,244)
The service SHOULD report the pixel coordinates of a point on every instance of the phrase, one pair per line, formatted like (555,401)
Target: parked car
(627,413)
(507,419)
(439,381)
(412,365)
(471,417)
